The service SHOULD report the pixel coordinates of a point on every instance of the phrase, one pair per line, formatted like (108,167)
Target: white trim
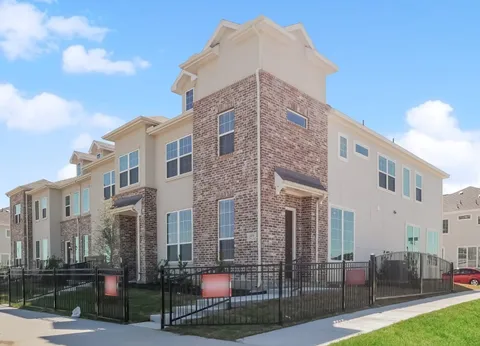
(468,219)
(340,135)
(421,188)
(343,209)
(301,116)
(355,143)
(460,211)
(379,154)
(128,170)
(294,232)
(177,158)
(218,229)
(185,100)
(226,133)
(403,181)
(178,243)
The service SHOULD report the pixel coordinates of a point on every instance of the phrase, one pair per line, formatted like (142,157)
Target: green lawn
(456,325)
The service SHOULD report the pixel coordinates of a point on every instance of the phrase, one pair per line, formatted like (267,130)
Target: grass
(456,325)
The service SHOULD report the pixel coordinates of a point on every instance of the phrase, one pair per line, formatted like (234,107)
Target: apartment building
(461,227)
(4,237)
(256,169)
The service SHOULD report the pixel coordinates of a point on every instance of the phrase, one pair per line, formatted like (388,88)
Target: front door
(288,243)
(68,253)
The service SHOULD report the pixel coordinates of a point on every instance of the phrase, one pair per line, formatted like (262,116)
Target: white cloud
(435,135)
(26,31)
(82,141)
(46,1)
(106,122)
(41,113)
(78,60)
(67,171)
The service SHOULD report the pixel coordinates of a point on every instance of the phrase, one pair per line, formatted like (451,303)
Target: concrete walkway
(326,331)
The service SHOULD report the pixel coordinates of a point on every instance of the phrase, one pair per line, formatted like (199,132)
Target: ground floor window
(413,238)
(342,234)
(467,256)
(226,229)
(4,260)
(179,235)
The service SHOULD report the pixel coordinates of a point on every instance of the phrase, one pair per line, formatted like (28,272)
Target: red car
(469,276)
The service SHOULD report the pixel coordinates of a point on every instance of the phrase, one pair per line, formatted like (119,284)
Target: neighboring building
(256,169)
(461,227)
(4,237)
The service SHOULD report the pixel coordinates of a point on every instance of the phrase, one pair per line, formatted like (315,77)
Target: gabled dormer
(100,149)
(80,159)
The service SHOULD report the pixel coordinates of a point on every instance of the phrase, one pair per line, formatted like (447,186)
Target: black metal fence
(100,293)
(278,294)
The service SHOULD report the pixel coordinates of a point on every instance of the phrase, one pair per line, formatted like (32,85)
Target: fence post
(126,310)
(280,293)
(162,283)
(23,286)
(344,274)
(421,273)
(372,278)
(170,312)
(452,285)
(97,293)
(9,288)
(54,289)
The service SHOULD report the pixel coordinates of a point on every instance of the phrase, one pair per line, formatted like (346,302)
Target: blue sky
(408,68)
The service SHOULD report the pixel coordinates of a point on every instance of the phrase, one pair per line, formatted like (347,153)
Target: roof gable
(301,33)
(465,199)
(224,28)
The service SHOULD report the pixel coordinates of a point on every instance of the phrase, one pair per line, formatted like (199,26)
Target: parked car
(469,276)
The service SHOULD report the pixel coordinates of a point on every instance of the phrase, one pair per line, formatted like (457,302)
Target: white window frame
(300,115)
(355,143)
(468,219)
(193,99)
(403,181)
(72,202)
(112,184)
(419,236)
(69,205)
(128,170)
(46,207)
(178,159)
(466,258)
(7,231)
(19,215)
(226,133)
(340,135)
(421,188)
(388,174)
(218,230)
(178,232)
(448,226)
(85,211)
(343,209)
(35,212)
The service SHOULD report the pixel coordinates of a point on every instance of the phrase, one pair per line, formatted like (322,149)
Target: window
(79,169)
(418,187)
(7,233)
(37,249)
(44,207)
(109,185)
(77,250)
(189,100)
(18,253)
(44,249)
(296,118)
(99,155)
(226,229)
(226,127)
(129,169)
(18,210)
(67,206)
(445,226)
(464,217)
(179,235)
(37,210)
(478,220)
(85,246)
(413,238)
(76,203)
(467,256)
(432,242)
(179,156)
(86,200)
(386,173)
(342,230)
(361,150)
(4,260)
(461,257)
(406,182)
(343,147)
(472,256)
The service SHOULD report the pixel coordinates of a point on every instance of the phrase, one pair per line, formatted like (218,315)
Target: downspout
(316,231)
(27,230)
(259,175)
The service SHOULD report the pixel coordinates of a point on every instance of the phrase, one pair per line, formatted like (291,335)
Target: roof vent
(460,193)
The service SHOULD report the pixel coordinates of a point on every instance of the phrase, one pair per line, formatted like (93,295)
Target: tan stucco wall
(4,241)
(55,213)
(175,193)
(380,216)
(41,227)
(69,190)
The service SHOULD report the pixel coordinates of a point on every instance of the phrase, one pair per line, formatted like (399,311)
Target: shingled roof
(465,199)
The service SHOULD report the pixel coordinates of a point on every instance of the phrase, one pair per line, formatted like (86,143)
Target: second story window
(189,100)
(296,118)
(179,157)
(386,173)
(67,206)
(99,156)
(445,226)
(226,136)
(129,169)
(108,185)
(18,211)
(343,147)
(44,207)
(79,169)
(406,182)
(418,187)
(76,203)
(37,210)
(86,200)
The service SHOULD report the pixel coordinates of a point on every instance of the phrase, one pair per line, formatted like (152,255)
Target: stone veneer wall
(17,231)
(69,229)
(128,240)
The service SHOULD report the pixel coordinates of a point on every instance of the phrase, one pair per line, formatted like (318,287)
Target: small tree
(107,236)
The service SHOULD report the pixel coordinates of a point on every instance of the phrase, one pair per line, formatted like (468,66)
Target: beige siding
(41,227)
(70,190)
(380,216)
(56,207)
(461,233)
(175,193)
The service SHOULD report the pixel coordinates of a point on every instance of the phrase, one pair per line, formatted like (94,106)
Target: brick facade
(128,243)
(78,226)
(23,230)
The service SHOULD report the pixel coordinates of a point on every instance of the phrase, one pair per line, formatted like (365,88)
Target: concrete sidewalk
(326,331)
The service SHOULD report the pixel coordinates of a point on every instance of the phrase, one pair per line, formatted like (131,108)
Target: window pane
(113,177)
(382,164)
(227,144)
(226,218)
(227,249)
(123,163)
(172,253)
(44,202)
(37,249)
(79,169)
(348,235)
(86,200)
(406,182)
(186,252)
(106,179)
(37,211)
(172,236)
(418,194)
(445,226)
(189,100)
(123,179)
(113,190)
(226,122)
(418,181)
(382,180)
(76,203)
(472,257)
(343,147)
(391,168)
(172,151)
(185,145)
(185,226)
(134,176)
(391,183)
(462,257)
(106,192)
(172,168)
(297,119)
(186,164)
(133,159)
(361,150)
(336,234)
